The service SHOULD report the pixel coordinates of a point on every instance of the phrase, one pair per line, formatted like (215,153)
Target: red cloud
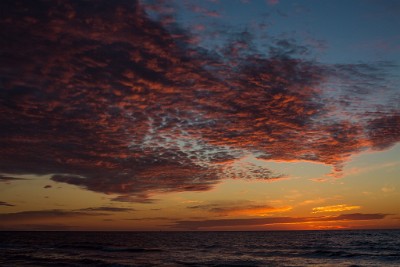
(103,97)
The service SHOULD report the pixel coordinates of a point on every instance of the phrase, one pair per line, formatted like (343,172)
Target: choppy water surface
(291,248)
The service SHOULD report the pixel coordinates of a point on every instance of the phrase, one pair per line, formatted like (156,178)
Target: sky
(199,115)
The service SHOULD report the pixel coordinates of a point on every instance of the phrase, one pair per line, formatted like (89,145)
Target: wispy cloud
(335,208)
(139,198)
(372,168)
(2,203)
(9,178)
(43,215)
(240,208)
(388,189)
(275,220)
(312,201)
(38,227)
(152,219)
(108,209)
(103,96)
(39,215)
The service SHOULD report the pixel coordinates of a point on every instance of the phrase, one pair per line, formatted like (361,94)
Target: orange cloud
(312,201)
(200,224)
(258,210)
(335,208)
(240,208)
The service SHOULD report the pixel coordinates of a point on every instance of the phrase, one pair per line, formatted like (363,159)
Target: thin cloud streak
(200,224)
(107,209)
(59,213)
(335,208)
(43,215)
(10,179)
(2,203)
(38,227)
(239,208)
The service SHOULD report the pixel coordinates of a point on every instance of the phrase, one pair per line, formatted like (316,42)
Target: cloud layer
(335,208)
(36,215)
(101,96)
(201,224)
(2,203)
(239,208)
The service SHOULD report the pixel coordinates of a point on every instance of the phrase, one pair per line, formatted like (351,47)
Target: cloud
(384,131)
(358,217)
(47,186)
(202,10)
(274,220)
(239,208)
(2,203)
(9,178)
(152,218)
(372,167)
(107,209)
(138,198)
(312,201)
(43,215)
(388,189)
(38,227)
(335,208)
(103,96)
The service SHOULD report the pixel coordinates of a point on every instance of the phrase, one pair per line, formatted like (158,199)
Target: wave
(372,248)
(108,248)
(334,254)
(348,254)
(135,250)
(47,260)
(236,263)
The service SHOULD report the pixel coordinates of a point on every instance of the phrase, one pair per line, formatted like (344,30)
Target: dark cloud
(138,197)
(107,209)
(152,219)
(2,203)
(44,215)
(100,95)
(274,220)
(39,215)
(9,179)
(385,131)
(38,227)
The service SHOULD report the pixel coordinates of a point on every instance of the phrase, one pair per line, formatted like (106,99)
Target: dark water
(299,248)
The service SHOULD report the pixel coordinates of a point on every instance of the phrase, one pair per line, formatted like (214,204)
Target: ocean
(275,248)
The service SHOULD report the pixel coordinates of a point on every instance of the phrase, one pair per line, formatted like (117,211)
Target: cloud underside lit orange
(335,208)
(239,208)
(106,98)
(204,224)
(56,219)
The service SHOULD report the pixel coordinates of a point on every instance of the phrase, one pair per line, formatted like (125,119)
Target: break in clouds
(102,95)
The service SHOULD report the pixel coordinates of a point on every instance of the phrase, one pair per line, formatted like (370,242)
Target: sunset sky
(199,115)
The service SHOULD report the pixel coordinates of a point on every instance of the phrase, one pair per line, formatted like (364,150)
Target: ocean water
(280,248)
